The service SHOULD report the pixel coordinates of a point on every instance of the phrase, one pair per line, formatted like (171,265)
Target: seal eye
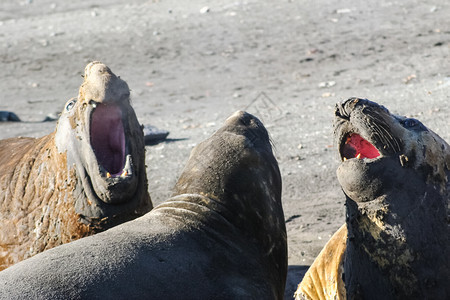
(410,123)
(70,105)
(414,124)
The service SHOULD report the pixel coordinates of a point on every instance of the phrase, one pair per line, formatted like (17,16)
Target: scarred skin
(220,236)
(396,242)
(53,190)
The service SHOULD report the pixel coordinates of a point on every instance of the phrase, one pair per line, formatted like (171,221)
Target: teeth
(126,171)
(358,156)
(345,158)
(128,164)
(93,103)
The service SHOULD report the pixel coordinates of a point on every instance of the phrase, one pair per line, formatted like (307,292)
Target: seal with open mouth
(221,236)
(85,177)
(396,243)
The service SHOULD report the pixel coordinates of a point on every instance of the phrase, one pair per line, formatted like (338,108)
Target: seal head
(103,140)
(368,132)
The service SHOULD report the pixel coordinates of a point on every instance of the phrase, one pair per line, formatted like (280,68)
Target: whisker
(382,132)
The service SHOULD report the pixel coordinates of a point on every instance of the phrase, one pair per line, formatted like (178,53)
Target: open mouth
(357,147)
(108,140)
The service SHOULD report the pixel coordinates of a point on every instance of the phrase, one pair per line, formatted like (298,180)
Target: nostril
(353,102)
(345,108)
(240,117)
(340,110)
(337,110)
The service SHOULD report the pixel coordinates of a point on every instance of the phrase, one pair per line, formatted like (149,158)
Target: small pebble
(327,84)
(204,10)
(343,11)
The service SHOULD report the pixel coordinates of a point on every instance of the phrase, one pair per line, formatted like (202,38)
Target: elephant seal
(220,236)
(396,243)
(85,177)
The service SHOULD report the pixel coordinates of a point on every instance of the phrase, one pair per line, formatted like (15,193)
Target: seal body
(221,236)
(395,175)
(86,176)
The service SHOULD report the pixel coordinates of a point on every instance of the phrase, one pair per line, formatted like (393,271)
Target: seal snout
(363,130)
(345,108)
(96,68)
(101,85)
(240,118)
(244,123)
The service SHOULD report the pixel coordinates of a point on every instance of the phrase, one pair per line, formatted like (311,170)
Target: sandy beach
(192,64)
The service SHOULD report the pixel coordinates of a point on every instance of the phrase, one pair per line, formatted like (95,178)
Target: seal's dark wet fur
(221,236)
(398,239)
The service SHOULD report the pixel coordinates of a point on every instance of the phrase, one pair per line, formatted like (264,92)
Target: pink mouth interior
(357,147)
(108,137)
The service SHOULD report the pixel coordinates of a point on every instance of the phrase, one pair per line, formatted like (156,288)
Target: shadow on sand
(295,275)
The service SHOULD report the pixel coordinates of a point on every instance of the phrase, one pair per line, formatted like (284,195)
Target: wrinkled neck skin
(234,181)
(397,240)
(250,186)
(37,212)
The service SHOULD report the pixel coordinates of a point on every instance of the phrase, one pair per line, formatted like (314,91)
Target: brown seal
(395,244)
(86,176)
(221,236)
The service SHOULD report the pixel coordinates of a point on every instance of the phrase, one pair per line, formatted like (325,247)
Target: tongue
(356,145)
(108,137)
